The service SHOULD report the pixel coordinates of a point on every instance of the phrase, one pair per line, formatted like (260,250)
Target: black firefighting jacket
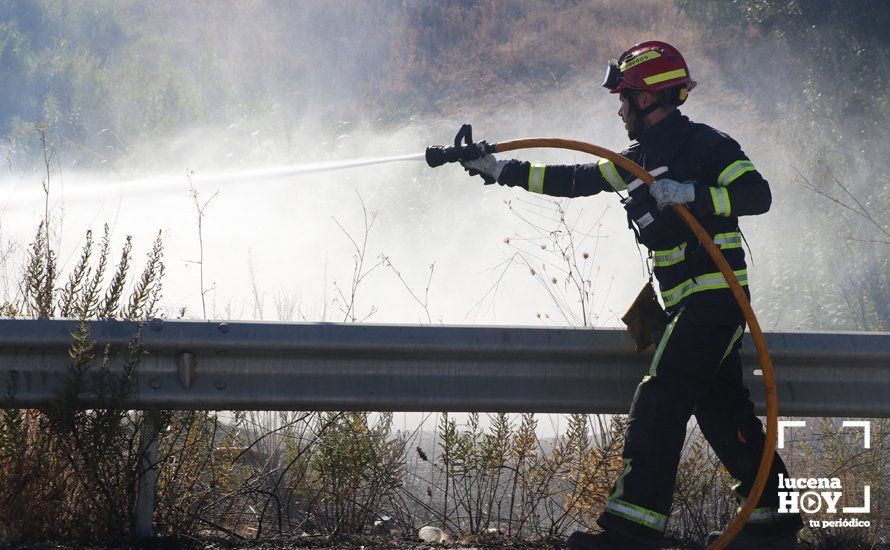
(726,186)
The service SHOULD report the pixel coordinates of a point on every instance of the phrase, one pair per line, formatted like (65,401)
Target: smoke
(267,84)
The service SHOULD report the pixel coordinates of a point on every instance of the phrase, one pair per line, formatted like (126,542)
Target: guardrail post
(148,474)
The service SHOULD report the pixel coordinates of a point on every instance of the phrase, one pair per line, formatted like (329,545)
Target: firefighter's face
(633,122)
(624,111)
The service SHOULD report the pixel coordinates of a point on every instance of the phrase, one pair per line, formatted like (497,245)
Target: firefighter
(696,368)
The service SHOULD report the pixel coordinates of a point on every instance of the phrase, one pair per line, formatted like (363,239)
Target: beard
(634,126)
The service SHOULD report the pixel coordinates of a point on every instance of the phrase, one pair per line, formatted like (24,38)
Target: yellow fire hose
(769,383)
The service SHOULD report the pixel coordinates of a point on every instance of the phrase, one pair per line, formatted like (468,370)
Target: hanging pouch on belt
(645,319)
(643,216)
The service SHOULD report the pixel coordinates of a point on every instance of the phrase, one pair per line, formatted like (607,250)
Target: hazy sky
(270,244)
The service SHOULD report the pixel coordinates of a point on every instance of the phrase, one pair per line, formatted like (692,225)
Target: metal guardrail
(192,365)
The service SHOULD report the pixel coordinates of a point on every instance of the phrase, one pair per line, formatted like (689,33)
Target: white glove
(487,166)
(667,192)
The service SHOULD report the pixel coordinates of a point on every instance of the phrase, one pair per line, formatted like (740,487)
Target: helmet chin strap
(656,103)
(641,113)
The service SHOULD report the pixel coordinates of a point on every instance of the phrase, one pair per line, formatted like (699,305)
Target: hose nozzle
(463,149)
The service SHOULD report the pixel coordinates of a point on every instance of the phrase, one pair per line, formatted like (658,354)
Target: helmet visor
(613,75)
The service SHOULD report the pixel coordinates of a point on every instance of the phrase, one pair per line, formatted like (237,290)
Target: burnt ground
(396,542)
(306,542)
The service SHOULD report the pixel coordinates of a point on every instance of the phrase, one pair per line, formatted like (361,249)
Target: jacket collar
(662,140)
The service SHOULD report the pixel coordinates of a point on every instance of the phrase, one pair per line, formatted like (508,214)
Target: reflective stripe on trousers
(637,514)
(653,368)
(764,515)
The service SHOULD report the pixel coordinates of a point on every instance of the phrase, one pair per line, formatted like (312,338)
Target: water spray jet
(169,182)
(289,170)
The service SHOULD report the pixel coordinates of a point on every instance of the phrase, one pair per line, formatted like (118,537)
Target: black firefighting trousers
(696,370)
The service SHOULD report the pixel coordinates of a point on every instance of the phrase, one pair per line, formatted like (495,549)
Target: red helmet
(652,66)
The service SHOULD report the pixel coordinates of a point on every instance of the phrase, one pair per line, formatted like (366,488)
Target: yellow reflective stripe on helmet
(665,258)
(728,240)
(637,514)
(670,75)
(637,60)
(536,178)
(610,174)
(733,171)
(708,281)
(720,198)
